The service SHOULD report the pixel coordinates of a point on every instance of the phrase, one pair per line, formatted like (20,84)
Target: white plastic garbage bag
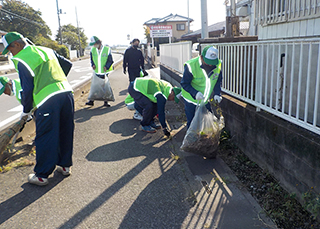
(203,135)
(100,89)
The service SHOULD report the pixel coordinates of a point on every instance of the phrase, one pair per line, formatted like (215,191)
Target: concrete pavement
(125,178)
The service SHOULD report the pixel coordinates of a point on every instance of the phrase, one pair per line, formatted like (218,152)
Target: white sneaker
(66,171)
(137,116)
(33,179)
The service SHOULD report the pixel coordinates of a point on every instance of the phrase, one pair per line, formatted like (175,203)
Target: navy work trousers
(54,134)
(190,110)
(144,106)
(133,73)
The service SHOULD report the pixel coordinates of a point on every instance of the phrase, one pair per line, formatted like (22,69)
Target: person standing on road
(200,74)
(10,87)
(101,62)
(150,96)
(133,60)
(46,91)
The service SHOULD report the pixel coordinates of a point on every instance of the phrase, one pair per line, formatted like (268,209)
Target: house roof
(169,18)
(211,28)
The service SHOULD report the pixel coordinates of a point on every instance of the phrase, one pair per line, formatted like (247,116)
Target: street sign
(161,31)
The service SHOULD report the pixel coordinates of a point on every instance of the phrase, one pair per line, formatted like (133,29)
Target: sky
(112,20)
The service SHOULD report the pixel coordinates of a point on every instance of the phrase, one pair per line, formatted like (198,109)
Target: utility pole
(232,21)
(58,12)
(80,54)
(188,19)
(204,20)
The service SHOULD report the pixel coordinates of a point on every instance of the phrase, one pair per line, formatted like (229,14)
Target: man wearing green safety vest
(10,87)
(202,77)
(150,96)
(101,62)
(46,91)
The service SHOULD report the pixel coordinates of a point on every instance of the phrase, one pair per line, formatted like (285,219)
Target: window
(181,27)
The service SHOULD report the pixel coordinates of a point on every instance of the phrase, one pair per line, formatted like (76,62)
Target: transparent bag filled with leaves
(203,135)
(100,89)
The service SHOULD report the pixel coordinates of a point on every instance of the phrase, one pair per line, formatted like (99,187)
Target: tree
(60,49)
(20,17)
(147,33)
(70,37)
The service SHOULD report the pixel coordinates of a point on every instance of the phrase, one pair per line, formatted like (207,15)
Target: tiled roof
(215,27)
(169,18)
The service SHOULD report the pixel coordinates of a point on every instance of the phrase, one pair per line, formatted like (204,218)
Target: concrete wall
(290,153)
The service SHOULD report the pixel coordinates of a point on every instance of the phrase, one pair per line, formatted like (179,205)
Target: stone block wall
(289,152)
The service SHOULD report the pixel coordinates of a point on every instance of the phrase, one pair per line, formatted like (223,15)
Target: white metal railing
(278,11)
(281,77)
(175,55)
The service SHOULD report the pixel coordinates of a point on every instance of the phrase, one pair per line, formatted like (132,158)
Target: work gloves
(166,132)
(217,98)
(124,71)
(199,96)
(26,114)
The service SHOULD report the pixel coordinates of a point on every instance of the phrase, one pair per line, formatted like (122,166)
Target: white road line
(16,109)
(8,120)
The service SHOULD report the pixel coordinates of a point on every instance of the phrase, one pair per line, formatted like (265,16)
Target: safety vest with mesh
(152,87)
(43,65)
(201,82)
(128,100)
(100,59)
(16,88)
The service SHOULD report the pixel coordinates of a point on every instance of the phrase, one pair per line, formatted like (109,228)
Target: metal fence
(175,55)
(280,77)
(277,11)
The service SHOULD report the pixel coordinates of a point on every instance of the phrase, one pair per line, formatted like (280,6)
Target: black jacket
(133,59)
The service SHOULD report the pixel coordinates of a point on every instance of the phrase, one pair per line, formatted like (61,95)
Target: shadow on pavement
(88,112)
(163,203)
(123,92)
(167,201)
(130,130)
(29,195)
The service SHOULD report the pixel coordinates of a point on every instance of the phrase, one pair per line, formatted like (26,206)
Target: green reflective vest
(128,100)
(16,88)
(150,88)
(43,65)
(100,59)
(201,82)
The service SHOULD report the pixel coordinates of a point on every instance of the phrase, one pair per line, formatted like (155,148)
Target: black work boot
(89,103)
(106,104)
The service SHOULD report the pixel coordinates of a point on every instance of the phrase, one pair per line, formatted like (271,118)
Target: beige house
(179,24)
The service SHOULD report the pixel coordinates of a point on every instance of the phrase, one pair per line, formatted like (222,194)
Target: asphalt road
(10,109)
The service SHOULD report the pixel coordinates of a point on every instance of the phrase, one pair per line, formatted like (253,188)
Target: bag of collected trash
(100,89)
(203,135)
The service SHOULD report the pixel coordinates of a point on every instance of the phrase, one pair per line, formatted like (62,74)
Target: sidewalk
(6,68)
(125,178)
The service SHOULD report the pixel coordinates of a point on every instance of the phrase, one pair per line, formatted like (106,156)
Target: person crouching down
(150,96)
(10,87)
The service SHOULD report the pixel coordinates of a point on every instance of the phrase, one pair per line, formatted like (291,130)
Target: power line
(20,17)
